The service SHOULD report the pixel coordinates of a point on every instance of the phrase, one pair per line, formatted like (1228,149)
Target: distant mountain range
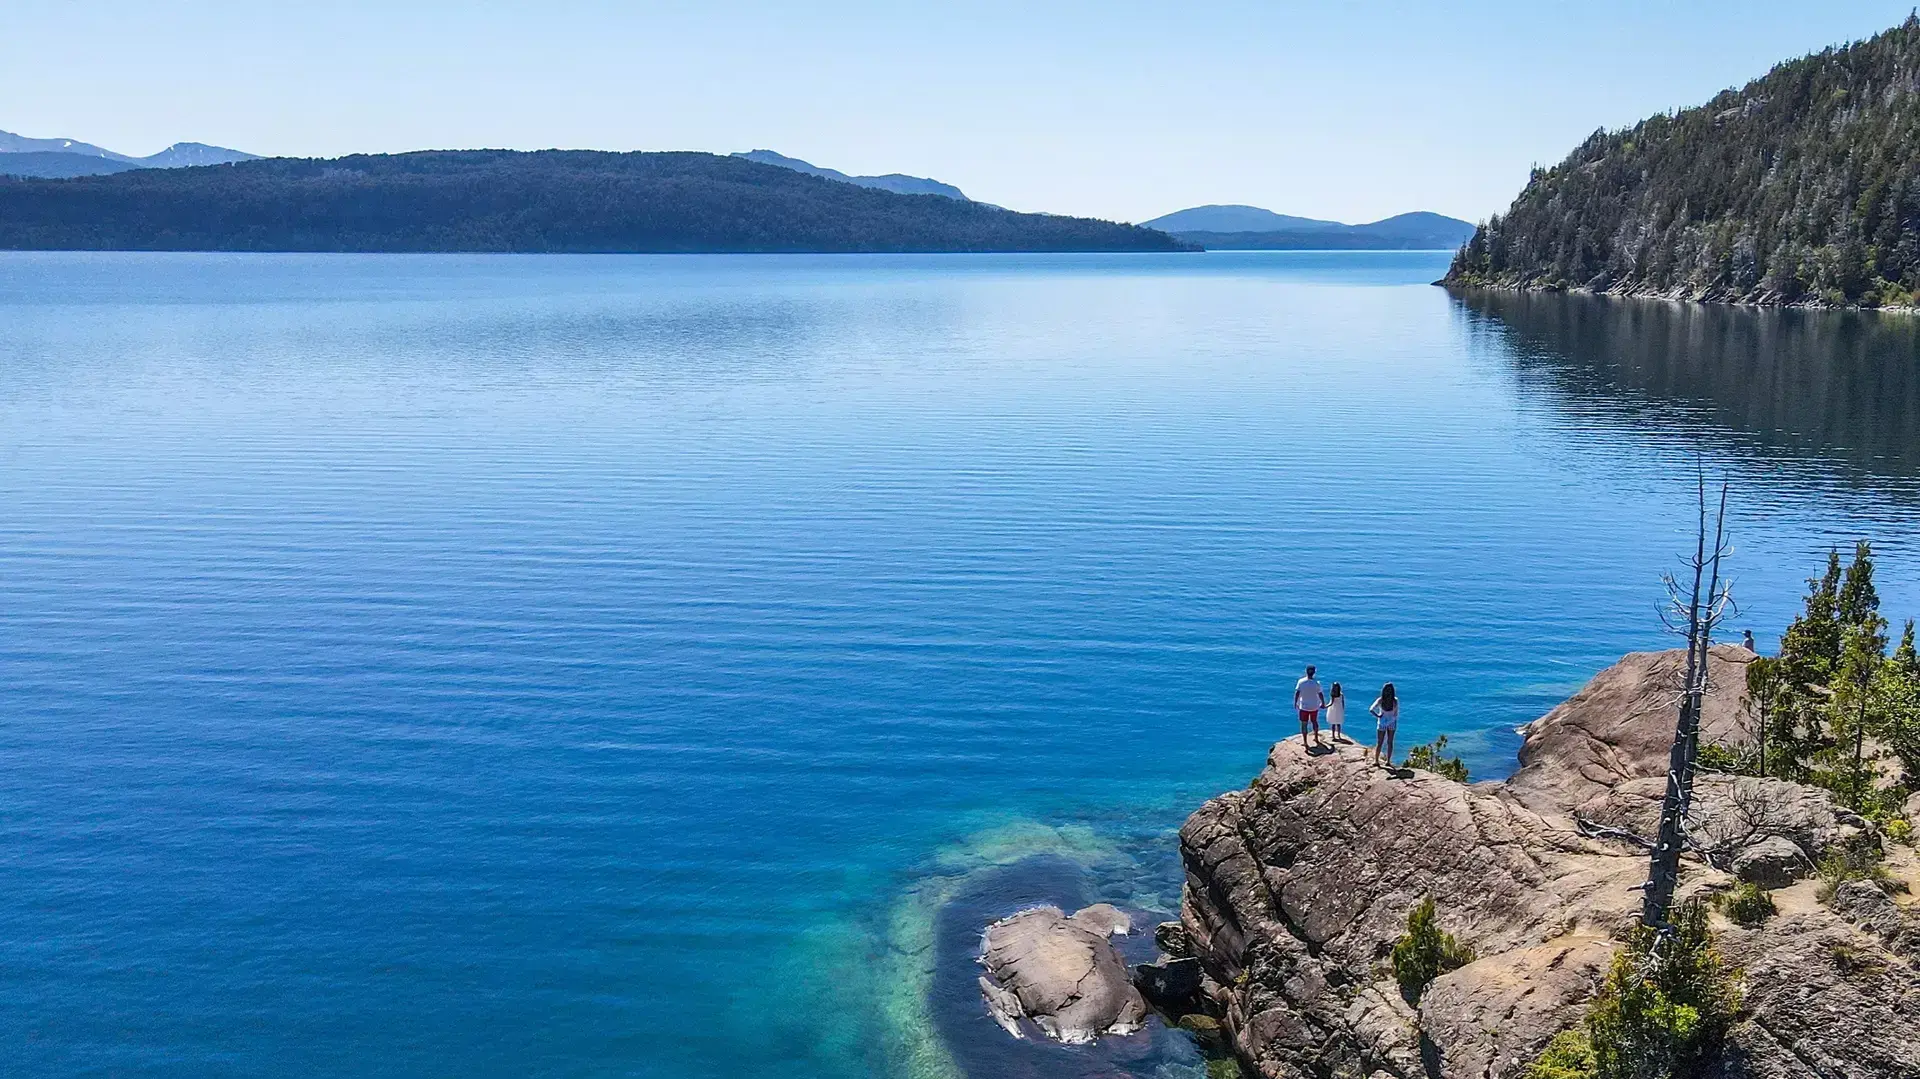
(720,209)
(61,158)
(1234,218)
(895,182)
(1252,228)
(499,200)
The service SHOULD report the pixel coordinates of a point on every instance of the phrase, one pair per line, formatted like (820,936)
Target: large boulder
(1062,973)
(1172,939)
(1870,909)
(1732,814)
(1774,862)
(1298,886)
(1494,1015)
(1824,1000)
(1620,726)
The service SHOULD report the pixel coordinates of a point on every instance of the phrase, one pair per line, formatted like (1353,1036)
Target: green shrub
(1429,758)
(1425,952)
(1666,1006)
(1851,960)
(1715,757)
(1662,1013)
(1749,904)
(1842,864)
(1900,830)
(1568,1056)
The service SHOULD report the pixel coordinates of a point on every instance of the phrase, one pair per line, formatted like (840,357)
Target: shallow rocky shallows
(981,1046)
(1062,972)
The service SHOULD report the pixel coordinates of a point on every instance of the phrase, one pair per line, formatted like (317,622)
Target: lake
(660,666)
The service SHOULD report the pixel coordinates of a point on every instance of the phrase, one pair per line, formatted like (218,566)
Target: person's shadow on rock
(1319,751)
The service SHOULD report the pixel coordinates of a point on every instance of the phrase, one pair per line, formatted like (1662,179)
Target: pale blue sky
(1126,110)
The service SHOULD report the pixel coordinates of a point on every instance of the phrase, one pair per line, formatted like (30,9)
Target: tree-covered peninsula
(497,200)
(1801,188)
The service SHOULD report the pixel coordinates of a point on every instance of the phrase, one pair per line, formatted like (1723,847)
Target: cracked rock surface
(1298,886)
(1061,972)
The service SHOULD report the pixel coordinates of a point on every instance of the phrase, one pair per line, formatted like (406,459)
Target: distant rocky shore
(1297,887)
(1632,289)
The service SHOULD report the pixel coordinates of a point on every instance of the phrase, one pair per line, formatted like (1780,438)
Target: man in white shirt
(1308,699)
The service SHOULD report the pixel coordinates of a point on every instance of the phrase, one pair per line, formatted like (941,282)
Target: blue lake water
(651,666)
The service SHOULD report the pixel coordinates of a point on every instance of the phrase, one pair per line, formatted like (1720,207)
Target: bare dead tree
(1694,608)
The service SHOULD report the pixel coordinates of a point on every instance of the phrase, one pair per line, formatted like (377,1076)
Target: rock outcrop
(1620,726)
(1061,972)
(1298,886)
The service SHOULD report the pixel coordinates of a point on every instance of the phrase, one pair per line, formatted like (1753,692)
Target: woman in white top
(1387,711)
(1336,712)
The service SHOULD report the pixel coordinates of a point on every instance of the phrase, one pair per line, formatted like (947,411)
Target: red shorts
(1309,716)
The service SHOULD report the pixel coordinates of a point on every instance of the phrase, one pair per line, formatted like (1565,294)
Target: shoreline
(1687,295)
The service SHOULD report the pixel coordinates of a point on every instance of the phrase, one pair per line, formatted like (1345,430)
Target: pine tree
(1855,704)
(1810,649)
(1425,952)
(1899,695)
(1858,602)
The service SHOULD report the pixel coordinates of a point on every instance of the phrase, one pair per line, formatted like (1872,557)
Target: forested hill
(1803,187)
(497,200)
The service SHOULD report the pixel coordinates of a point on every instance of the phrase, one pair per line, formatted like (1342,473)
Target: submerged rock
(1172,984)
(1298,886)
(1062,973)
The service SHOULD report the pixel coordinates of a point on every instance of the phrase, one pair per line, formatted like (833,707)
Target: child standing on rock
(1337,712)
(1387,711)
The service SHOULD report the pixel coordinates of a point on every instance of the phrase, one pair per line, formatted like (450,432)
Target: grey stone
(1063,973)
(1172,939)
(1774,862)
(1868,907)
(1731,814)
(1104,919)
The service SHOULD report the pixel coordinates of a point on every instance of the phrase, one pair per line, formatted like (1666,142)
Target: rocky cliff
(1298,886)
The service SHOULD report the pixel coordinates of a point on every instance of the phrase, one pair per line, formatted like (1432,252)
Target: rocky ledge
(1298,886)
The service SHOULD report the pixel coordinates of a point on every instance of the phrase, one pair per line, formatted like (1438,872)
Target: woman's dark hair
(1387,699)
(1336,692)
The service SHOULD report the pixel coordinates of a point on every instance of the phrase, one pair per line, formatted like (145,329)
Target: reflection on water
(1843,387)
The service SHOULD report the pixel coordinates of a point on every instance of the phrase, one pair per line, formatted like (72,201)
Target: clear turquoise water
(614,666)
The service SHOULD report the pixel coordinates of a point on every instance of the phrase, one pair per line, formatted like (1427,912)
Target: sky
(1350,111)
